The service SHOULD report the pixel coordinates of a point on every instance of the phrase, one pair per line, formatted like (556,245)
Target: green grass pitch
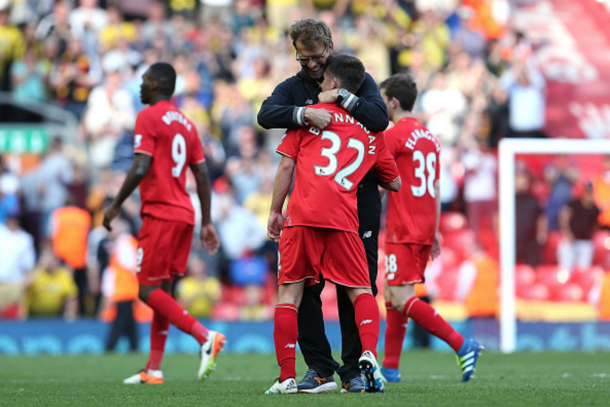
(428,379)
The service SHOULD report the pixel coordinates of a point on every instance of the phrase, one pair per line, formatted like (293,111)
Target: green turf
(428,379)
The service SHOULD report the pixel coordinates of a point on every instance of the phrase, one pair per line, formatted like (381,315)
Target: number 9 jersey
(411,214)
(330,165)
(164,133)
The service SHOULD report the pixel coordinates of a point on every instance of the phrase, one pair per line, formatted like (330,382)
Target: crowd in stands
(477,75)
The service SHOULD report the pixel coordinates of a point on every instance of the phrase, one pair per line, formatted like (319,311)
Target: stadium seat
(460,241)
(567,292)
(447,284)
(551,275)
(525,279)
(11,312)
(534,292)
(549,250)
(225,311)
(587,278)
(451,222)
(601,243)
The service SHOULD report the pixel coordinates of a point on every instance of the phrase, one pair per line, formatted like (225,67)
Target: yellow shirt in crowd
(49,292)
(204,293)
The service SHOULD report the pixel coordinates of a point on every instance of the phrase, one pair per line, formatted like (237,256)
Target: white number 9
(178,154)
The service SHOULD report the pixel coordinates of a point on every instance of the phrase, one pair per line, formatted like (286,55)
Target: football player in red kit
(166,144)
(320,231)
(412,231)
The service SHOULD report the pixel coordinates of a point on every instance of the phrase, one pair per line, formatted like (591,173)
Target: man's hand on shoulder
(275,226)
(209,238)
(319,118)
(329,96)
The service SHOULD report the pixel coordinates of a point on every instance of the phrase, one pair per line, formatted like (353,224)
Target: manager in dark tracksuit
(287,108)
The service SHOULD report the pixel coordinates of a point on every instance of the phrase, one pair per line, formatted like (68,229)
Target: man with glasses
(287,108)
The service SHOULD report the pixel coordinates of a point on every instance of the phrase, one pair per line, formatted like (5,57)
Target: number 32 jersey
(412,210)
(164,133)
(330,165)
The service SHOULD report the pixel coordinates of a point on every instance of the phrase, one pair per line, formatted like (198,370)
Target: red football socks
(367,319)
(396,326)
(285,334)
(159,329)
(432,322)
(166,305)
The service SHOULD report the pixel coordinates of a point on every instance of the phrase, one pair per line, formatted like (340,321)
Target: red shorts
(405,263)
(305,251)
(163,249)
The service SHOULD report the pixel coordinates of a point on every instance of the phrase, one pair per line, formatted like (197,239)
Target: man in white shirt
(18,258)
(526,98)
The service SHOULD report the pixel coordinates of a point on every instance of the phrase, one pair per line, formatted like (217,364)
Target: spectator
(73,77)
(109,114)
(18,258)
(69,235)
(9,193)
(54,174)
(197,292)
(601,193)
(578,222)
(120,285)
(52,291)
(442,107)
(11,46)
(480,186)
(531,227)
(561,176)
(88,19)
(525,86)
(29,76)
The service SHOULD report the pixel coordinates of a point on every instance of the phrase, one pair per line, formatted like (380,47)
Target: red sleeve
(198,156)
(385,167)
(145,137)
(289,146)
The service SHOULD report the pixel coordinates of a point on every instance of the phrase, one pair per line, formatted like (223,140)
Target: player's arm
(283,180)
(209,238)
(436,245)
(137,172)
(393,186)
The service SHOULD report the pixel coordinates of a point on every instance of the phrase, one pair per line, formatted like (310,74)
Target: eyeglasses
(318,58)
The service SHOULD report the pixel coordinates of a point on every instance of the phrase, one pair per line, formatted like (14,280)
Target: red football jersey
(412,210)
(330,165)
(163,132)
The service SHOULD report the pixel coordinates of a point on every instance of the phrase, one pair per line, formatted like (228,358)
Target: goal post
(507,150)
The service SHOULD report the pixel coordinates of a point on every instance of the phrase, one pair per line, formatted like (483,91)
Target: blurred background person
(120,285)
(52,291)
(578,222)
(17,259)
(197,292)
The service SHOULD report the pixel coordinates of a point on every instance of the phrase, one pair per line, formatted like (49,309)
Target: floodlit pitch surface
(428,379)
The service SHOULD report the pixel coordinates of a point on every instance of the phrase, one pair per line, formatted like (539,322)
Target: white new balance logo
(366,321)
(367,234)
(290,345)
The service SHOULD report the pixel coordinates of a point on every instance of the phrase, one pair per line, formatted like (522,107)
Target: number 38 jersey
(164,133)
(412,210)
(329,166)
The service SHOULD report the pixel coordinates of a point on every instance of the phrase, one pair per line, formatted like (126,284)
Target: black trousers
(312,336)
(123,325)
